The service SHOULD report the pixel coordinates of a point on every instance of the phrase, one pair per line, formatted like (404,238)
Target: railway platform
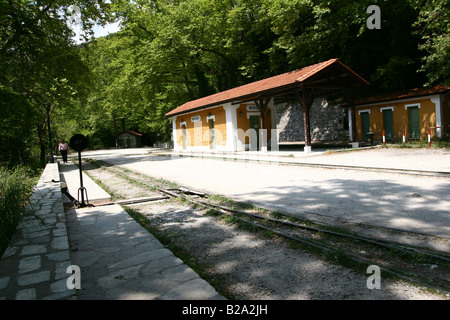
(91,253)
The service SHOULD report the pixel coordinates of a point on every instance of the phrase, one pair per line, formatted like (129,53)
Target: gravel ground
(251,266)
(416,203)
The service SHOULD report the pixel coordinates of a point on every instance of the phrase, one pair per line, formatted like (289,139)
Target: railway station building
(414,113)
(244,118)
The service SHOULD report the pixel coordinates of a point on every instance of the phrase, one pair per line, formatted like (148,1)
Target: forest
(168,52)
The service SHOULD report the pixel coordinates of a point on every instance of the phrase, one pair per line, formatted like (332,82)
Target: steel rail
(309,242)
(378,242)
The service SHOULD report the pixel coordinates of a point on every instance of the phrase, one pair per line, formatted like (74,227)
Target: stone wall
(328,122)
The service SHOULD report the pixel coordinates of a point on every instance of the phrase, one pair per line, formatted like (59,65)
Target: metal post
(47,106)
(78,143)
(429,138)
(82,189)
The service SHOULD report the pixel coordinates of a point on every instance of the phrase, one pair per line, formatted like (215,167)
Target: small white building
(130,139)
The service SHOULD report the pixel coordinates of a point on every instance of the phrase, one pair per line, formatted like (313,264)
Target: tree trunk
(116,132)
(42,145)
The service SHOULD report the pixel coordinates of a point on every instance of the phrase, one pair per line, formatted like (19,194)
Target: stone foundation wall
(328,122)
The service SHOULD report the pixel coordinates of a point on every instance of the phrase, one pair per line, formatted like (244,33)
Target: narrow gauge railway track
(330,248)
(287,229)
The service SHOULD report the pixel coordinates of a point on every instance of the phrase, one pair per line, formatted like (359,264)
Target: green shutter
(213,134)
(414,123)
(388,124)
(365,123)
(184,137)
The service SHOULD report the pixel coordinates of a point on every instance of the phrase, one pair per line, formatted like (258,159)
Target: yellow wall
(243,122)
(427,117)
(198,133)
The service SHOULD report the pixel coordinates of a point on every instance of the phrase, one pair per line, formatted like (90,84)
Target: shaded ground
(416,203)
(249,266)
(252,267)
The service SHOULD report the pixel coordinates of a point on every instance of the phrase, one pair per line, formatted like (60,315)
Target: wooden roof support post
(353,115)
(262,104)
(306,99)
(350,97)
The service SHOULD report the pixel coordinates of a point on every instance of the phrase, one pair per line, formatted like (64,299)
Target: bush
(16,188)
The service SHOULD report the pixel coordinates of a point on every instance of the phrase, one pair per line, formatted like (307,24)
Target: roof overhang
(325,78)
(411,94)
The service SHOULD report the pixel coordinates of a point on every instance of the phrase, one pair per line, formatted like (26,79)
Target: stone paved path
(34,265)
(116,257)
(120,260)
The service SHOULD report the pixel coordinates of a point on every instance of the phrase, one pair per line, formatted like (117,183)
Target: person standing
(63,147)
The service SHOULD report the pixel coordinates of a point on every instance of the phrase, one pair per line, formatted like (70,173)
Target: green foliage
(434,28)
(16,124)
(101,138)
(39,60)
(170,52)
(16,188)
(313,31)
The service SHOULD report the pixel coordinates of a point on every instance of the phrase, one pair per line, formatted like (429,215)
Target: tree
(38,58)
(433,27)
(16,124)
(170,52)
(313,31)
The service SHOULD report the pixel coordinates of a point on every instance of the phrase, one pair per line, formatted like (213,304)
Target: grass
(411,144)
(16,188)
(421,144)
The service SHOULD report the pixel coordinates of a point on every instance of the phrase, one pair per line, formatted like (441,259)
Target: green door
(254,124)
(212,133)
(365,124)
(414,123)
(184,137)
(388,124)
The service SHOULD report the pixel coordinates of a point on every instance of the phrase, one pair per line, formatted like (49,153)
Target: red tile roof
(133,133)
(418,92)
(259,87)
